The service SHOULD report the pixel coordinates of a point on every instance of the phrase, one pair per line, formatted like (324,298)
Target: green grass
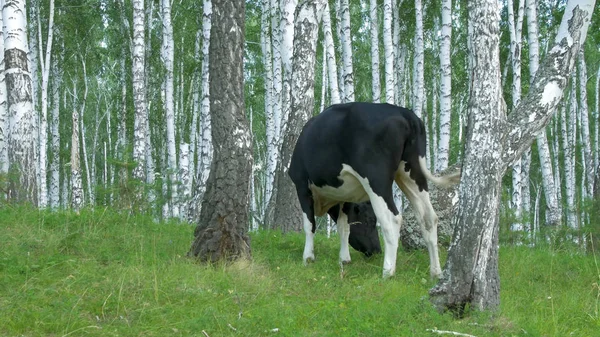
(105,274)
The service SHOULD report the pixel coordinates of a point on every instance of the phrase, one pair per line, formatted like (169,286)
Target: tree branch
(536,109)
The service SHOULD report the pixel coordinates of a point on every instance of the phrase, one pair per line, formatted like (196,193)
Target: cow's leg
(425,216)
(343,227)
(309,224)
(379,190)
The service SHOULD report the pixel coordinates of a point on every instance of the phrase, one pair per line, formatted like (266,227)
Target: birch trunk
(139,91)
(54,190)
(374,29)
(553,212)
(272,136)
(205,151)
(267,52)
(22,140)
(569,130)
(4,117)
(221,233)
(287,46)
(388,51)
(43,134)
(587,141)
(167,52)
(515,29)
(287,214)
(418,61)
(331,59)
(443,148)
(76,181)
(494,142)
(346,42)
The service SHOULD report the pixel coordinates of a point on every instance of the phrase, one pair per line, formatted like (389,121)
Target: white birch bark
(597,123)
(553,212)
(388,51)
(185,177)
(418,61)
(331,59)
(583,112)
(4,120)
(22,140)
(569,130)
(400,54)
(374,29)
(267,52)
(287,45)
(139,91)
(76,181)
(54,189)
(205,152)
(276,98)
(443,148)
(346,41)
(515,29)
(167,51)
(43,134)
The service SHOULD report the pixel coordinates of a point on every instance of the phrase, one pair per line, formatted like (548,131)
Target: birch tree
(331,59)
(569,137)
(443,148)
(167,53)
(554,212)
(287,213)
(221,231)
(374,29)
(43,134)
(4,118)
(205,150)
(22,138)
(139,91)
(515,28)
(76,179)
(588,160)
(346,42)
(388,51)
(494,142)
(418,66)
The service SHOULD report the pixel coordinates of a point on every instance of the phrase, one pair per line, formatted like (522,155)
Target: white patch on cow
(344,232)
(390,224)
(309,245)
(351,190)
(551,93)
(426,216)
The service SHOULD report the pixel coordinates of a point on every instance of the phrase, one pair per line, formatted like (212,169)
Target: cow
(363,230)
(353,153)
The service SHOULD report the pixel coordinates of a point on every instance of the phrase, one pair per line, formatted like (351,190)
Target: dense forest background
(111,130)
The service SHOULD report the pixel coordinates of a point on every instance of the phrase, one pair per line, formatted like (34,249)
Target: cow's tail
(448,180)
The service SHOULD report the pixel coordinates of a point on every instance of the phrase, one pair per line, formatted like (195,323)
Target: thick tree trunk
(221,231)
(493,143)
(22,140)
(286,210)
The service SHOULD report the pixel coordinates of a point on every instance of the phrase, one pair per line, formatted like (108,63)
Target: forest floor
(101,273)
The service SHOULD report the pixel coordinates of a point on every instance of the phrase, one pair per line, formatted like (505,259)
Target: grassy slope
(103,274)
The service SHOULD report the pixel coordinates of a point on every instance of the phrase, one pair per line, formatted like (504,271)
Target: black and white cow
(352,153)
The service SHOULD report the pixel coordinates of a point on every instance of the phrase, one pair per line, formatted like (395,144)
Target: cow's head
(363,229)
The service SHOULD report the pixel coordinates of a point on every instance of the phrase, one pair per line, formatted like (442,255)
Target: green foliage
(99,273)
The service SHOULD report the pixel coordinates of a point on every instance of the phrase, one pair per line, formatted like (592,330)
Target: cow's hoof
(309,259)
(388,274)
(342,261)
